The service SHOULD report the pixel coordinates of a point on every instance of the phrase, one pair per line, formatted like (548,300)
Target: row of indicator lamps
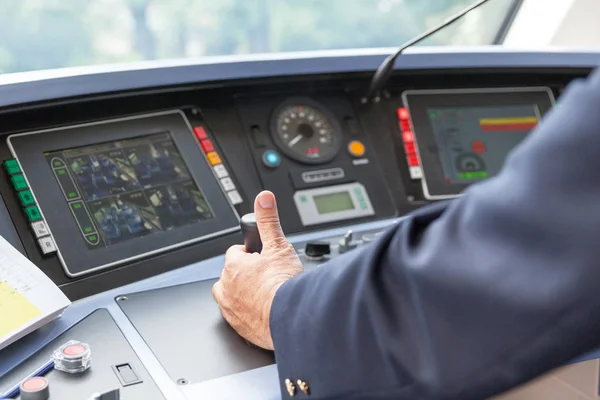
(34,216)
(271,158)
(410,149)
(216,163)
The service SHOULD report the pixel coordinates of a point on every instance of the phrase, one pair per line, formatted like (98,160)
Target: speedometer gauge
(306,132)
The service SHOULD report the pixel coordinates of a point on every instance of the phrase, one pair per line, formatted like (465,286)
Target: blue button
(271,159)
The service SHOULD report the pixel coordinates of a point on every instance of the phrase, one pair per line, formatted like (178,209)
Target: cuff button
(291,389)
(303,386)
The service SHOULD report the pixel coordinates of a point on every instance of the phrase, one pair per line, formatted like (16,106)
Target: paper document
(28,298)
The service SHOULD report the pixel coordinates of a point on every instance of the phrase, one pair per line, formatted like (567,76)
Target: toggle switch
(348,243)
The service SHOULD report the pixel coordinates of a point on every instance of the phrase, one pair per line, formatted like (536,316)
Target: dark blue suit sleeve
(465,299)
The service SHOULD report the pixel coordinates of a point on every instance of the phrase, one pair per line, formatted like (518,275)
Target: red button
(74,350)
(409,148)
(408,137)
(34,384)
(402,113)
(207,145)
(404,125)
(413,161)
(200,132)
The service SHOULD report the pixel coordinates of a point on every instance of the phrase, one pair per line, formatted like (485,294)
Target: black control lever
(250,232)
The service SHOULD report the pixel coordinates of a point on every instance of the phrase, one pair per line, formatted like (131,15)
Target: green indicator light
(26,198)
(33,213)
(77,206)
(11,163)
(473,175)
(93,238)
(88,229)
(303,199)
(72,194)
(12,167)
(60,172)
(19,182)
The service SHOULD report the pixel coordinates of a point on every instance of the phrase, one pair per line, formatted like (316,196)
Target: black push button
(126,374)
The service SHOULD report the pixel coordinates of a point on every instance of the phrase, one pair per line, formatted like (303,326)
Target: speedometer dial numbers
(306,132)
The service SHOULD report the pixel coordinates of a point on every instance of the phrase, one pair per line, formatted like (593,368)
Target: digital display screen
(126,189)
(333,202)
(473,142)
(463,136)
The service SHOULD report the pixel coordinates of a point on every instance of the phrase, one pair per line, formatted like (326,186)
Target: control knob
(316,251)
(250,232)
(347,243)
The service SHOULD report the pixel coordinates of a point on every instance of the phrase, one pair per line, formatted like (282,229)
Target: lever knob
(317,250)
(250,232)
(347,243)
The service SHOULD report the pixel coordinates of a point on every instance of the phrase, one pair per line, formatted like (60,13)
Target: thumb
(267,219)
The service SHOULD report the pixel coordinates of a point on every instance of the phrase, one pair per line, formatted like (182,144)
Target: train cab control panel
(127,199)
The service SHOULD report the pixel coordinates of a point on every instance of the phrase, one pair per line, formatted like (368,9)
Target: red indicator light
(200,132)
(207,146)
(404,125)
(408,137)
(402,113)
(312,150)
(413,161)
(409,148)
(478,146)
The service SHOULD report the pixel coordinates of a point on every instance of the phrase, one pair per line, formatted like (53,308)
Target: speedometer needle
(295,140)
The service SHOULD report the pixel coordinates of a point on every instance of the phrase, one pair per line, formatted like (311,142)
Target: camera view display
(128,189)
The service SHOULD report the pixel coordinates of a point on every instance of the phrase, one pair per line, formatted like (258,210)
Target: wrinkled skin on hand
(249,281)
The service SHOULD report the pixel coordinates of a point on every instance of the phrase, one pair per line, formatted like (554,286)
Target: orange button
(213,158)
(356,148)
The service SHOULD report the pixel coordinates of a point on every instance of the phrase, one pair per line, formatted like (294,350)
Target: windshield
(46,34)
